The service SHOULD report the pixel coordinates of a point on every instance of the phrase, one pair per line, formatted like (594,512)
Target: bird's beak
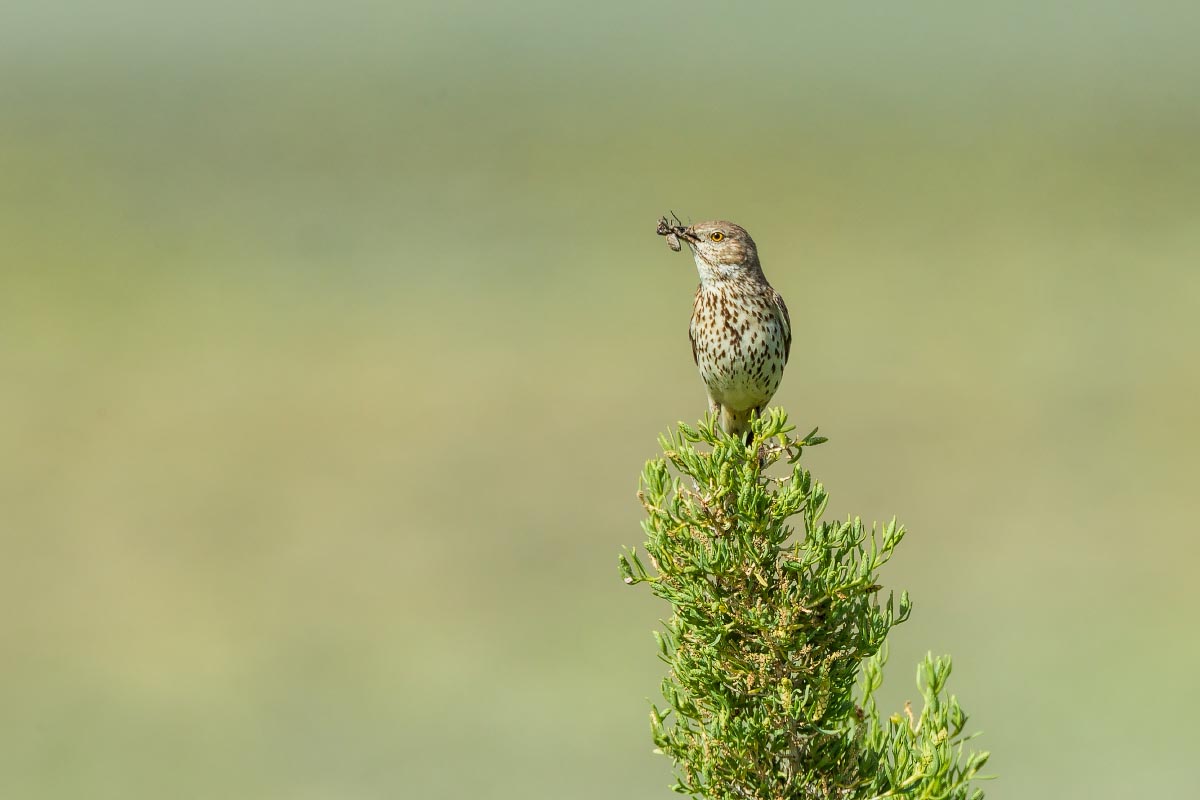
(687,234)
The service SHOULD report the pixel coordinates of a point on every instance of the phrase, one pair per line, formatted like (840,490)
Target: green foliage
(769,634)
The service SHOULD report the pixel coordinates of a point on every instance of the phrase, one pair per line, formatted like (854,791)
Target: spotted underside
(741,339)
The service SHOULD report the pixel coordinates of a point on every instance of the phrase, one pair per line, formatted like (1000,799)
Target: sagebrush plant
(776,641)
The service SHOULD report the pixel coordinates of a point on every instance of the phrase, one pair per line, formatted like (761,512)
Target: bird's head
(722,249)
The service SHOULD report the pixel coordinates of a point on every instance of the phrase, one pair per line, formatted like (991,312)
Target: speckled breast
(740,345)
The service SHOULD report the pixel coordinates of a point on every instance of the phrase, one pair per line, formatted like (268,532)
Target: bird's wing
(786,319)
(692,327)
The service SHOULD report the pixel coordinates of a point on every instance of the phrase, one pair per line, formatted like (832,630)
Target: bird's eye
(716,236)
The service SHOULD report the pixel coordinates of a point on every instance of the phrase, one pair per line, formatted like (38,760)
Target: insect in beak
(675,232)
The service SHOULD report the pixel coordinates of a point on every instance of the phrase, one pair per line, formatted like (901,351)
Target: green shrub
(776,643)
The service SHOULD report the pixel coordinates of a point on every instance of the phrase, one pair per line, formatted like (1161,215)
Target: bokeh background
(334,336)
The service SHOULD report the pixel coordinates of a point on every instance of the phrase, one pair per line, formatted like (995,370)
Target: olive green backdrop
(333,339)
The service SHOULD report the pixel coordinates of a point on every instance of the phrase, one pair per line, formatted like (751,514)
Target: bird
(741,332)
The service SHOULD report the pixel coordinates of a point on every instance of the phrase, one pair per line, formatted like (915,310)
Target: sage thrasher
(741,332)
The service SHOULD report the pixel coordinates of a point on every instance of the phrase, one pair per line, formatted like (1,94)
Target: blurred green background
(334,337)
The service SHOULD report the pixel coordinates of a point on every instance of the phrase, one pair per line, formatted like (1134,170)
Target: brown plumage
(741,332)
